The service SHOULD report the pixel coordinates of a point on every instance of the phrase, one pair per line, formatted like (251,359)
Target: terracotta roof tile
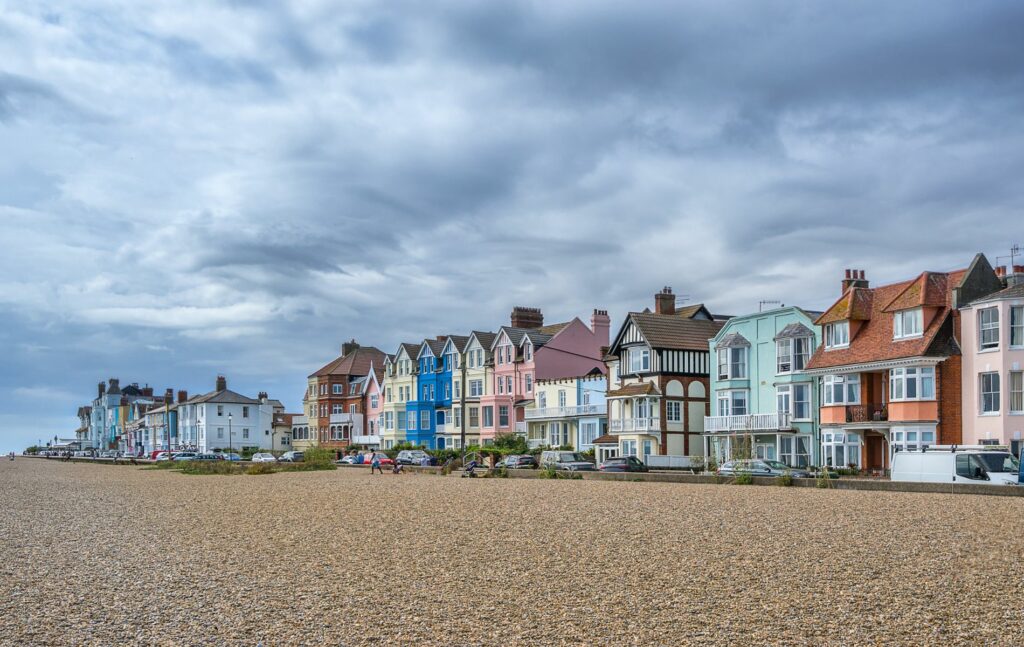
(357,362)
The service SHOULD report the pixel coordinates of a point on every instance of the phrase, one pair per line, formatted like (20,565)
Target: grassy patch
(785,479)
(744,478)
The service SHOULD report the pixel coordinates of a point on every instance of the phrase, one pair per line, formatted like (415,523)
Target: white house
(223,419)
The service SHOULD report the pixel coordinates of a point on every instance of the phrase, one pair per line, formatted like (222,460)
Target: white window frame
(850,442)
(1015,386)
(337,389)
(784,398)
(908,324)
(829,383)
(476,388)
(727,400)
(988,406)
(733,363)
(424,420)
(639,359)
(806,389)
(1016,326)
(410,420)
(673,411)
(837,335)
(920,379)
(910,439)
(988,330)
(784,356)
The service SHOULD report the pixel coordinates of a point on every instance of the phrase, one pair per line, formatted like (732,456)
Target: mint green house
(759,392)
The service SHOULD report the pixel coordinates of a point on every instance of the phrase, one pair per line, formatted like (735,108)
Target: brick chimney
(854,279)
(182,397)
(147,391)
(665,302)
(168,396)
(1016,277)
(348,347)
(101,389)
(523,317)
(222,383)
(601,324)
(115,386)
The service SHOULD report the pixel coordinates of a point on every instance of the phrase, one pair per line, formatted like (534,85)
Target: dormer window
(639,360)
(837,335)
(792,354)
(907,324)
(988,328)
(528,352)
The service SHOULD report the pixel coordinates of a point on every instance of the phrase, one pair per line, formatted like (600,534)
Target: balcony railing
(366,440)
(342,418)
(567,412)
(748,422)
(443,429)
(521,428)
(867,412)
(625,425)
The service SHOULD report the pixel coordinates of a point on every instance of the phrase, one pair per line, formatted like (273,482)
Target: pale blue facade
(759,391)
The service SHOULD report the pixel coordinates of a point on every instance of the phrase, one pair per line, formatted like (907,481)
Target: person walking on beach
(375,465)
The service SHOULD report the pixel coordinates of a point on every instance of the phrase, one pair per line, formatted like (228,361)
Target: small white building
(223,419)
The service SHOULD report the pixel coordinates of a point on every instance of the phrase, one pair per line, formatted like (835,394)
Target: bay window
(424,420)
(837,335)
(732,403)
(988,328)
(792,354)
(732,363)
(910,439)
(989,393)
(795,451)
(841,389)
(639,360)
(503,416)
(913,383)
(841,449)
(410,420)
(907,324)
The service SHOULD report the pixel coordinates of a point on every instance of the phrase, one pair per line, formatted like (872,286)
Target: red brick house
(890,365)
(334,403)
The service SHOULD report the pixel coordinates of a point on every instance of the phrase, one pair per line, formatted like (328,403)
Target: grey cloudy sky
(187,189)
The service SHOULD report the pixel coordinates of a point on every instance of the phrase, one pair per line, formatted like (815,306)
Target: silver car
(759,467)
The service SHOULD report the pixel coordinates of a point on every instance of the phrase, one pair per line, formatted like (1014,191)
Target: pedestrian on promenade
(375,465)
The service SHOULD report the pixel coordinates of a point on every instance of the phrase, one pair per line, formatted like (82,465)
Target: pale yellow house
(399,388)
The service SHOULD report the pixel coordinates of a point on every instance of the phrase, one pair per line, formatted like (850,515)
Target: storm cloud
(238,187)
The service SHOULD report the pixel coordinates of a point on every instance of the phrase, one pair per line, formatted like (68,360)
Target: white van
(957,464)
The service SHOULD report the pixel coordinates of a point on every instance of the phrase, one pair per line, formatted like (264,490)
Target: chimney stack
(115,386)
(168,396)
(348,347)
(262,397)
(1001,271)
(1016,277)
(182,397)
(523,317)
(101,389)
(665,302)
(222,383)
(147,391)
(601,324)
(854,279)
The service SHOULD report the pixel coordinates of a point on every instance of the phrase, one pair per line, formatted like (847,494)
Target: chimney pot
(101,389)
(348,347)
(182,397)
(848,274)
(222,383)
(523,317)
(1001,271)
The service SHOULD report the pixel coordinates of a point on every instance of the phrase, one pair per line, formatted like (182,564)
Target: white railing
(521,428)
(635,424)
(366,440)
(749,422)
(567,412)
(534,443)
(443,429)
(342,418)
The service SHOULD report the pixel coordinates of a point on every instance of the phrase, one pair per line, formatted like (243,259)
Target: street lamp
(273,434)
(229,434)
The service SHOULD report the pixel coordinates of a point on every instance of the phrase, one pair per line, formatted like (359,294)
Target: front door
(765,451)
(876,452)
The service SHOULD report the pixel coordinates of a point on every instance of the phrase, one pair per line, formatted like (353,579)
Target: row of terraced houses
(936,359)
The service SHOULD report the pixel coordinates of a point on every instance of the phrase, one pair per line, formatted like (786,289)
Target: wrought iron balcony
(867,412)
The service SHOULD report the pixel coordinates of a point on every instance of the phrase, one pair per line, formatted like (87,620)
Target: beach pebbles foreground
(106,555)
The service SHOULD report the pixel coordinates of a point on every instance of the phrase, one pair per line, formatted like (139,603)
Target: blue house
(761,398)
(433,395)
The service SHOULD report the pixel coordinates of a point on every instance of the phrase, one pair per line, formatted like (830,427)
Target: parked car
(384,458)
(184,456)
(205,457)
(351,459)
(291,457)
(758,467)
(229,456)
(564,460)
(166,456)
(264,457)
(518,462)
(624,464)
(411,457)
(953,464)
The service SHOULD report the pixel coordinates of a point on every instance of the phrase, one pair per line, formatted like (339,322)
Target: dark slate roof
(676,333)
(436,345)
(459,341)
(733,340)
(794,330)
(227,396)
(412,350)
(537,338)
(1012,292)
(515,335)
(486,339)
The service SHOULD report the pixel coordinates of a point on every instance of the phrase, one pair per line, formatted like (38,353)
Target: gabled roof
(411,350)
(1012,292)
(672,332)
(484,338)
(357,362)
(536,338)
(639,388)
(458,342)
(696,310)
(874,342)
(515,335)
(227,396)
(551,329)
(855,304)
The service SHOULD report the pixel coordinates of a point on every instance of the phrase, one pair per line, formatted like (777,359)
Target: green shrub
(261,468)
(510,443)
(163,465)
(318,455)
(744,478)
(548,472)
(211,467)
(785,479)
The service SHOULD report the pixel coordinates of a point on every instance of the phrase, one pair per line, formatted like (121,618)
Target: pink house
(993,364)
(526,351)
(373,405)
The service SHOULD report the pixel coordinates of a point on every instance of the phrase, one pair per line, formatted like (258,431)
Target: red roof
(873,307)
(357,362)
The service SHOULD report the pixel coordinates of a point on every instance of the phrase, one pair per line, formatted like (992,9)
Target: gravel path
(106,555)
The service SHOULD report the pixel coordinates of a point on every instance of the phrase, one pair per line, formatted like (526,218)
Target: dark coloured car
(624,464)
(518,462)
